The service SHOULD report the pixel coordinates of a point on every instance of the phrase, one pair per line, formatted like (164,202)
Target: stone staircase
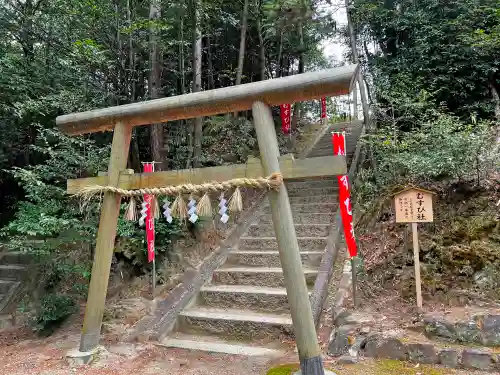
(244,308)
(13,271)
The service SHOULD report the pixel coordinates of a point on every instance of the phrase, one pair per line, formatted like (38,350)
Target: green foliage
(228,140)
(52,310)
(51,227)
(449,50)
(442,148)
(131,241)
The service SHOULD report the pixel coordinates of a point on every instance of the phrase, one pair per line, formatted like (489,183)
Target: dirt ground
(23,353)
(47,357)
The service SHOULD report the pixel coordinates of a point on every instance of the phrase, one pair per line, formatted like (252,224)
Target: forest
(431,69)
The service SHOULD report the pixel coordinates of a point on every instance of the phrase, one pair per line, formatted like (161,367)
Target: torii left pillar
(105,241)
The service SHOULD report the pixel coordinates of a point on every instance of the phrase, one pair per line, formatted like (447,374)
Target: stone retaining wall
(352,338)
(482,329)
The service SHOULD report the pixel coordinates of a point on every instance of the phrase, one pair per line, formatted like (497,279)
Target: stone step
(330,198)
(233,323)
(303,218)
(269,258)
(14,257)
(6,285)
(270,243)
(328,151)
(301,192)
(11,290)
(245,297)
(311,183)
(316,208)
(302,230)
(214,344)
(327,144)
(322,152)
(258,276)
(12,272)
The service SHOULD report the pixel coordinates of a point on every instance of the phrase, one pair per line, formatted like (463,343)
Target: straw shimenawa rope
(272,182)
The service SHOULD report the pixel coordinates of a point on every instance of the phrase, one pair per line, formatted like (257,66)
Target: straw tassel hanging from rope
(131,210)
(236,201)
(179,208)
(156,207)
(205,206)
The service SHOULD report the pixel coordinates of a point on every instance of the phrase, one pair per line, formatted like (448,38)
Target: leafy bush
(52,310)
(131,241)
(227,140)
(443,148)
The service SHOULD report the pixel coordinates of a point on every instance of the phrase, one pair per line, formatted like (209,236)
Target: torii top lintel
(299,87)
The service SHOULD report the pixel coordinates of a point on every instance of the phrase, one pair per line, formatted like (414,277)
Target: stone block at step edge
(439,327)
(449,358)
(378,346)
(477,359)
(468,332)
(490,329)
(341,340)
(422,353)
(347,360)
(349,318)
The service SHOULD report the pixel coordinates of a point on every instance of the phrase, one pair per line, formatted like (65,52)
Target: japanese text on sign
(413,206)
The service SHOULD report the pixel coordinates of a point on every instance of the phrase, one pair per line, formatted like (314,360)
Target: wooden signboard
(414,205)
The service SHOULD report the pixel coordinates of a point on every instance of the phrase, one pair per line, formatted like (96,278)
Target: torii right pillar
(308,348)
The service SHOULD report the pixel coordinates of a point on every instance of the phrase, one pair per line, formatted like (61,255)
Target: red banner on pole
(338,140)
(323,107)
(150,221)
(285,113)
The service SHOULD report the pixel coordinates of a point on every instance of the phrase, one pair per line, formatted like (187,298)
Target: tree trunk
(355,60)
(211,81)
(198,122)
(364,101)
(155,130)
(262,51)
(279,72)
(243,35)
(134,161)
(118,76)
(241,54)
(131,56)
(296,107)
(182,68)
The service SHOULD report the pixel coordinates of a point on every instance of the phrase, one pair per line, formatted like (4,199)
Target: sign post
(414,205)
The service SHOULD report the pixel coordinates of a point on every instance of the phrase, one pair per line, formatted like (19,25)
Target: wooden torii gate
(258,96)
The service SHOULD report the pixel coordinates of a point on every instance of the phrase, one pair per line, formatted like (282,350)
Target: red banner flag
(150,220)
(323,107)
(338,140)
(285,113)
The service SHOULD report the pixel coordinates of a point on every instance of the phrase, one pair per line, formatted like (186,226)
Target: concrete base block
(77,358)
(327,372)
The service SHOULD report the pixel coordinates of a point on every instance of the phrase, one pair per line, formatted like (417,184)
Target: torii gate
(258,96)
